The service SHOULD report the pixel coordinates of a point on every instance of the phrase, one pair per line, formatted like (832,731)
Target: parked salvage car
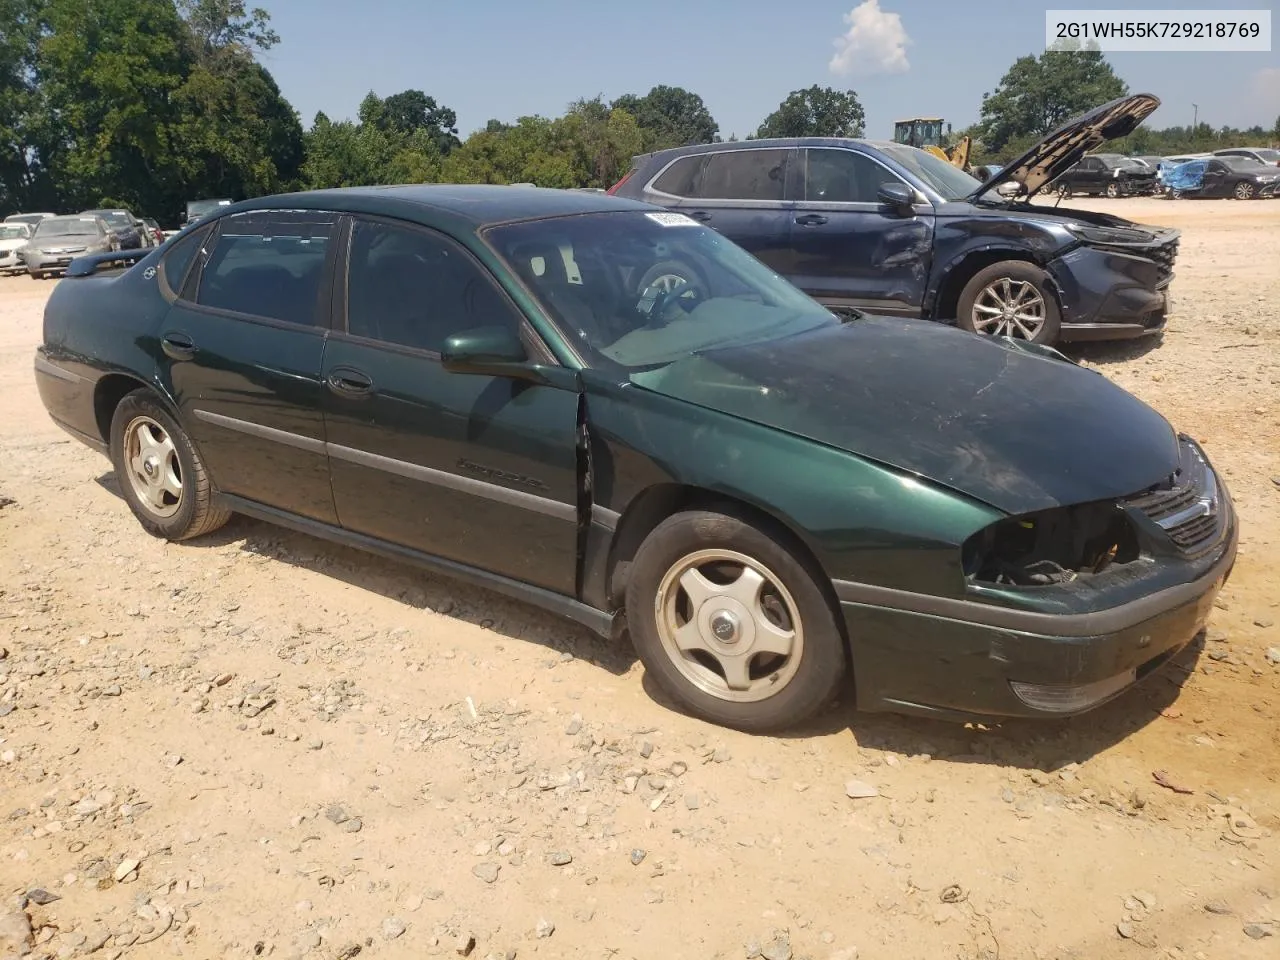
(890,229)
(1109,175)
(59,240)
(157,235)
(1264,155)
(13,237)
(129,231)
(1237,177)
(199,209)
(31,219)
(510,387)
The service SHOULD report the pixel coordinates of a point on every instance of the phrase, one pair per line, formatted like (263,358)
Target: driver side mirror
(896,195)
(495,351)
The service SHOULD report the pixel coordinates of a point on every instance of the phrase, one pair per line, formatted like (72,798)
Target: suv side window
(269,264)
(415,288)
(843,176)
(744,175)
(681,178)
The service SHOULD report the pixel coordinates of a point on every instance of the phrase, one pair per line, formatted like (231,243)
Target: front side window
(950,182)
(744,175)
(652,289)
(415,288)
(843,176)
(269,264)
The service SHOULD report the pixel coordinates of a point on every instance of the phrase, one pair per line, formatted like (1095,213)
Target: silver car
(59,240)
(13,237)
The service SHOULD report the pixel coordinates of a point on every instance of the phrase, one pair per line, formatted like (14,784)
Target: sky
(509,58)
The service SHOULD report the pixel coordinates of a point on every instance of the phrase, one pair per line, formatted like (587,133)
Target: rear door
(242,347)
(476,469)
(739,193)
(849,249)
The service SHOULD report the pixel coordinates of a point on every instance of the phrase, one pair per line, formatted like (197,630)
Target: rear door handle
(177,346)
(811,220)
(700,215)
(349,382)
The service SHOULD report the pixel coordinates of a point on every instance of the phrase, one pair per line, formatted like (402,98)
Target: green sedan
(612,412)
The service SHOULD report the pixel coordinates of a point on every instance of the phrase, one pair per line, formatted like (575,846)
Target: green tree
(221,25)
(816,112)
(24,181)
(669,117)
(411,111)
(1038,94)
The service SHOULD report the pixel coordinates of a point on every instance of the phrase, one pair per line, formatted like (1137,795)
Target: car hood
(1018,427)
(1062,149)
(16,244)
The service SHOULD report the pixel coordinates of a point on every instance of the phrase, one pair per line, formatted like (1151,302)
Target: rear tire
(1011,298)
(1063,191)
(731,624)
(161,474)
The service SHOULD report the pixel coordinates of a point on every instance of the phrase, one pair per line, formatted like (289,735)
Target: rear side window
(744,175)
(269,265)
(843,176)
(178,260)
(681,178)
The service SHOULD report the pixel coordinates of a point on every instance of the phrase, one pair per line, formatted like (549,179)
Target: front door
(242,349)
(476,469)
(850,249)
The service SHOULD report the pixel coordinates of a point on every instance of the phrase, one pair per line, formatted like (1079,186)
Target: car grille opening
(1164,255)
(1188,508)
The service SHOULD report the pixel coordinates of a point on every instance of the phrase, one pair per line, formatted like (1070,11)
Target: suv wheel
(1011,298)
(1113,190)
(731,625)
(1244,190)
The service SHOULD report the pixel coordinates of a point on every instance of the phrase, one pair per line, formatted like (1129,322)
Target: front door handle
(700,215)
(811,220)
(177,346)
(349,382)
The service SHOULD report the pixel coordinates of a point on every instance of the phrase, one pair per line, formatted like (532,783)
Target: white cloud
(876,42)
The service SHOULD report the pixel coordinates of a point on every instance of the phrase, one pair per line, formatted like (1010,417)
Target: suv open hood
(1062,149)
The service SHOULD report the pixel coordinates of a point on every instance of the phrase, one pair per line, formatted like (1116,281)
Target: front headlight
(1051,546)
(1110,235)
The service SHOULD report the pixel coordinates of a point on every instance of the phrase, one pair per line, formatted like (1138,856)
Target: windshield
(13,231)
(1268,156)
(72,226)
(950,182)
(636,291)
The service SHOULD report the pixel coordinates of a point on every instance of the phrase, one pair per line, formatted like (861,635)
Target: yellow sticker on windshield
(672,219)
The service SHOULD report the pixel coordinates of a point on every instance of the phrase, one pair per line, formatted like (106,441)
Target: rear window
(268,265)
(178,260)
(744,175)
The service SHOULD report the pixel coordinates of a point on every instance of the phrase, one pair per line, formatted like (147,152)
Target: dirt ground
(260,744)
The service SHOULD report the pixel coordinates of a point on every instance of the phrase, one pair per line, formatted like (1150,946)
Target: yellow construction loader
(927,134)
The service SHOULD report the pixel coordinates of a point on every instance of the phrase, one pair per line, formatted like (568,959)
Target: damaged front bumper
(973,658)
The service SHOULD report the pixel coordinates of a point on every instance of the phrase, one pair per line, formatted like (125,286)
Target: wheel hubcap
(729,625)
(1009,308)
(153,468)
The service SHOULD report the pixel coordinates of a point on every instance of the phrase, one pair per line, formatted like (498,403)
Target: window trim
(539,352)
(323,312)
(715,202)
(920,205)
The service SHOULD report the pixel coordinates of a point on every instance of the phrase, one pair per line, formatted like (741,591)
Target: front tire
(1064,192)
(1011,298)
(1113,191)
(731,624)
(1244,190)
(161,474)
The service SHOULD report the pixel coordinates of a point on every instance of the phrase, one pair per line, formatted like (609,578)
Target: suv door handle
(700,215)
(811,220)
(350,383)
(177,346)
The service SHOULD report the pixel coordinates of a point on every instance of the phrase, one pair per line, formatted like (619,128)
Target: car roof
(775,142)
(473,205)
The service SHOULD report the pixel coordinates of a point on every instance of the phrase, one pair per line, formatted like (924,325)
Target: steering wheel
(662,299)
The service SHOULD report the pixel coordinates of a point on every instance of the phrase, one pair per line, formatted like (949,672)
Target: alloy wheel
(1009,308)
(153,467)
(1244,191)
(729,625)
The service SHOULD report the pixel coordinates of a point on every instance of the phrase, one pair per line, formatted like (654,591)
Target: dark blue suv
(886,228)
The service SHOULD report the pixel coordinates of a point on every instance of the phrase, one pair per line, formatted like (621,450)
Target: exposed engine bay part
(1052,546)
